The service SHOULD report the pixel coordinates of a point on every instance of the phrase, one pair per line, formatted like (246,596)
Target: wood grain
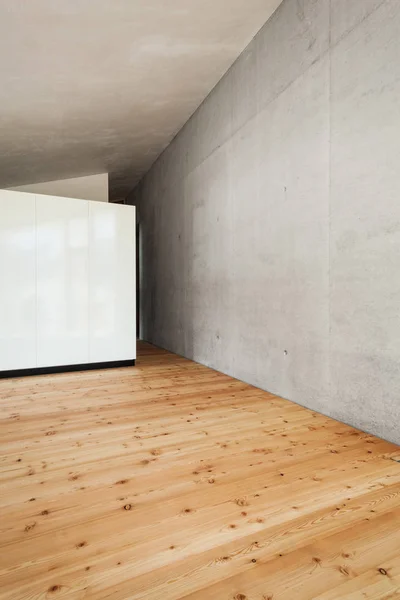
(169,481)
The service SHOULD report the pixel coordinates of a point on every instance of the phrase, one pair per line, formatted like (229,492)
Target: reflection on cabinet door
(112,282)
(17,281)
(62,281)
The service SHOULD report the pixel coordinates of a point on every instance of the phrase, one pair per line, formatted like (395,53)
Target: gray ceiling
(88,86)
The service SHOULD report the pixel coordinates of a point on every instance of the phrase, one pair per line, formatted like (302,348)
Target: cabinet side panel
(112,283)
(62,281)
(17,281)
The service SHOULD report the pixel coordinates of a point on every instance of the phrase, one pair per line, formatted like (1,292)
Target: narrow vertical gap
(36,282)
(137,273)
(88,279)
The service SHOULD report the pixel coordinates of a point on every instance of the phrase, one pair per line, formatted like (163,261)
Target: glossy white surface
(17,281)
(112,282)
(68,282)
(62,281)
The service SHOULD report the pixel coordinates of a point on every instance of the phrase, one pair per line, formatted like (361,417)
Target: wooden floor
(170,480)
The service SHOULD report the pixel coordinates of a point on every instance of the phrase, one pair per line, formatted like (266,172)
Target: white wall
(92,187)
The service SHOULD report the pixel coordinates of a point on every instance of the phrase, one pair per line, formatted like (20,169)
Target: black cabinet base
(67,368)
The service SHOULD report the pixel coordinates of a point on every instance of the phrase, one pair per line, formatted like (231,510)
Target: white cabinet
(17,281)
(68,284)
(62,281)
(112,282)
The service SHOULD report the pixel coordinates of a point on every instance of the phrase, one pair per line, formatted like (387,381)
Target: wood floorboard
(172,481)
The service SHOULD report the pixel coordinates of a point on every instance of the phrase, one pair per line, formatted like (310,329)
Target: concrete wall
(270,227)
(92,187)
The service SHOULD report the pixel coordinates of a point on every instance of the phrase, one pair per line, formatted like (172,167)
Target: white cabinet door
(62,281)
(112,284)
(17,281)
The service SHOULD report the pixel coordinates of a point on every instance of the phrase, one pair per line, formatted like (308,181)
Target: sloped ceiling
(88,86)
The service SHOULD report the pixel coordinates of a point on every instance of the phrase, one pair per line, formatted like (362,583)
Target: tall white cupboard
(67,283)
